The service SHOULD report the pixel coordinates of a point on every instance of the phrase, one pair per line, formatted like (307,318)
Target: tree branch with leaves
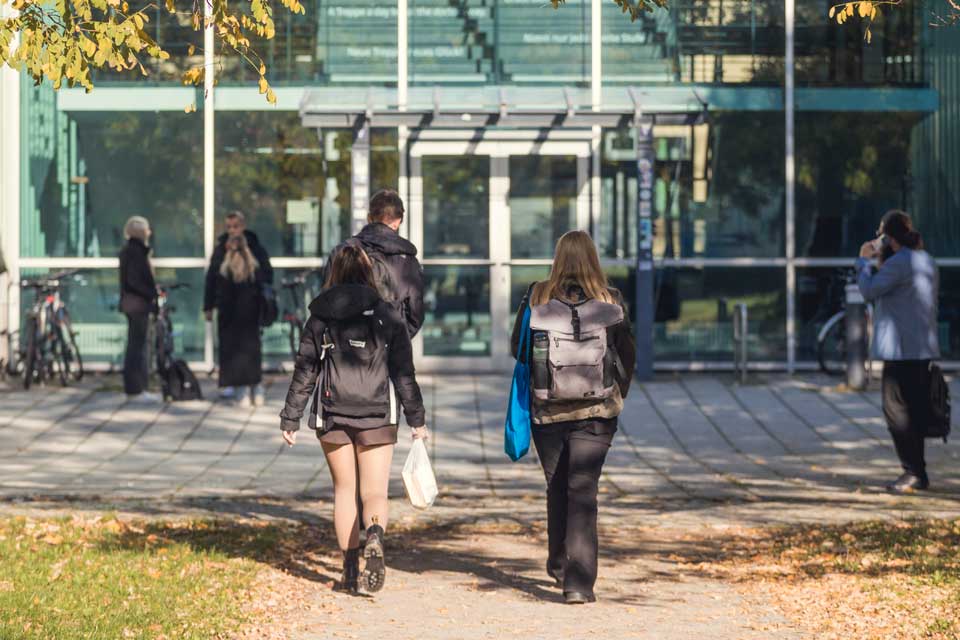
(62,41)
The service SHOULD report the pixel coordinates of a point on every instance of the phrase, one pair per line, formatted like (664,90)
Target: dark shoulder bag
(938,425)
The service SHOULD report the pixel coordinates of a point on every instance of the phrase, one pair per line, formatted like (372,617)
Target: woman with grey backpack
(581,355)
(904,290)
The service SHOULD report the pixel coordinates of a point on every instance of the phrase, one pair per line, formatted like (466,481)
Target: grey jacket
(904,292)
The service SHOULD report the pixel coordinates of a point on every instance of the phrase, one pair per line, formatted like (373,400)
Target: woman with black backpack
(356,361)
(582,354)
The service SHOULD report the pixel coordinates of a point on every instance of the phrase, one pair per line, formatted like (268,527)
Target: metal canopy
(484,107)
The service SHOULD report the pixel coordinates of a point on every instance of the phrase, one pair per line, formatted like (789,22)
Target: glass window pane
(718,190)
(820,296)
(332,43)
(534,43)
(949,326)
(86,172)
(293,298)
(543,203)
(829,54)
(851,169)
(696,42)
(457,300)
(92,296)
(520,280)
(456,204)
(694,311)
(293,189)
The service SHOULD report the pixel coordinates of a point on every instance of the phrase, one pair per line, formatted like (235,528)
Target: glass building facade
(875,126)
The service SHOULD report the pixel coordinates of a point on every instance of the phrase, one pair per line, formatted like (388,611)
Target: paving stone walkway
(693,452)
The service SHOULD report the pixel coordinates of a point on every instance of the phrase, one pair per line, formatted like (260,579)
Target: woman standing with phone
(904,291)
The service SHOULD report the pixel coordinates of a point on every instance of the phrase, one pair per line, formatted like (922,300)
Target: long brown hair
(239,263)
(350,265)
(574,262)
(898,225)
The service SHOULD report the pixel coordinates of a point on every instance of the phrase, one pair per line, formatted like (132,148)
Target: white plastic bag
(418,478)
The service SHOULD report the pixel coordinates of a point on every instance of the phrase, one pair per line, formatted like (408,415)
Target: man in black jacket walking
(395,258)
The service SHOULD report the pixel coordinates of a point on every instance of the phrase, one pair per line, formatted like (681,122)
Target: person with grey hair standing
(138,296)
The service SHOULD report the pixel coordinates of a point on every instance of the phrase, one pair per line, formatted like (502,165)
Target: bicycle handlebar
(49,282)
(173,287)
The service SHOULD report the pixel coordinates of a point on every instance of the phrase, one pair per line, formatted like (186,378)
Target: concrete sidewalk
(694,453)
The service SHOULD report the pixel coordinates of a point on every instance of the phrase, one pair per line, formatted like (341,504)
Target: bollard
(855,332)
(740,342)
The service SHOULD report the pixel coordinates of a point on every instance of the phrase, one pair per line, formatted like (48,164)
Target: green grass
(104,578)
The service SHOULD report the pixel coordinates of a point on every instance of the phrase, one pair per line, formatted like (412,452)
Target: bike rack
(741,342)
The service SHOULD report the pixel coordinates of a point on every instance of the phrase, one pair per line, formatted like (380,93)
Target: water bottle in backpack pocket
(579,363)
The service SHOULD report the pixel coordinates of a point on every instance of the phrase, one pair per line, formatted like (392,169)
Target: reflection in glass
(292,300)
(950,313)
(457,299)
(718,191)
(851,169)
(293,189)
(332,43)
(829,54)
(543,203)
(456,206)
(92,297)
(694,311)
(88,171)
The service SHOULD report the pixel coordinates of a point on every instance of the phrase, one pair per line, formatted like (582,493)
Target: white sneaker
(145,398)
(244,401)
(259,396)
(228,393)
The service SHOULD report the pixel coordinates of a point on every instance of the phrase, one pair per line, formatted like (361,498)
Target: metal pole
(209,213)
(644,300)
(855,332)
(596,54)
(11,179)
(402,55)
(790,185)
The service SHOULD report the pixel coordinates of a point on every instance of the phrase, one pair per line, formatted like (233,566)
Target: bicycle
(293,317)
(50,343)
(832,337)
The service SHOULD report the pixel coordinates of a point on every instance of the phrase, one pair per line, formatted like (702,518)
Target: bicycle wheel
(294,337)
(163,344)
(59,359)
(74,362)
(832,345)
(32,366)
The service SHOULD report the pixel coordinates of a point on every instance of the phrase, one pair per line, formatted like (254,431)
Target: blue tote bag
(516,433)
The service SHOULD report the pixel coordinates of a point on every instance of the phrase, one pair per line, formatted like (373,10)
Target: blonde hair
(575,262)
(239,264)
(136,227)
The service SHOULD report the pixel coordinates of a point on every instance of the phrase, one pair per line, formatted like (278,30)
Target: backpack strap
(326,345)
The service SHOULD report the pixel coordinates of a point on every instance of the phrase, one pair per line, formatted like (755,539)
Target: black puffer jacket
(138,291)
(400,256)
(345,305)
(264,274)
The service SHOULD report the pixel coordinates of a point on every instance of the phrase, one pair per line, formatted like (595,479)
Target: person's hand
(290,437)
(208,315)
(421,433)
(868,250)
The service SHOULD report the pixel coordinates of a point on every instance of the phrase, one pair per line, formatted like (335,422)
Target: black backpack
(179,383)
(939,423)
(354,378)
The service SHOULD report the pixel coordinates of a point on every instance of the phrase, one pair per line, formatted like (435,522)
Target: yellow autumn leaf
(271,96)
(264,85)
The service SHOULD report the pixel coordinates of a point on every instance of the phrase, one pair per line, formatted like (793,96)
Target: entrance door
(485,216)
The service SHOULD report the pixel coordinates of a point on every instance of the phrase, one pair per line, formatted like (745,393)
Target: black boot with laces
(349,579)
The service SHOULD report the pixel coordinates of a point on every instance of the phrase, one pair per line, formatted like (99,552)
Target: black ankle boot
(349,579)
(374,566)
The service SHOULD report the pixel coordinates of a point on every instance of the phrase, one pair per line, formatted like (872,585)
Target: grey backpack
(571,356)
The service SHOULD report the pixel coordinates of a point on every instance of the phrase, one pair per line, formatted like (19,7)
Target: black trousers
(572,455)
(136,372)
(906,407)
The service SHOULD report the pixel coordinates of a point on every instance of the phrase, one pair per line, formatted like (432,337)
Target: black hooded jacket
(400,257)
(138,291)
(265,273)
(345,304)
